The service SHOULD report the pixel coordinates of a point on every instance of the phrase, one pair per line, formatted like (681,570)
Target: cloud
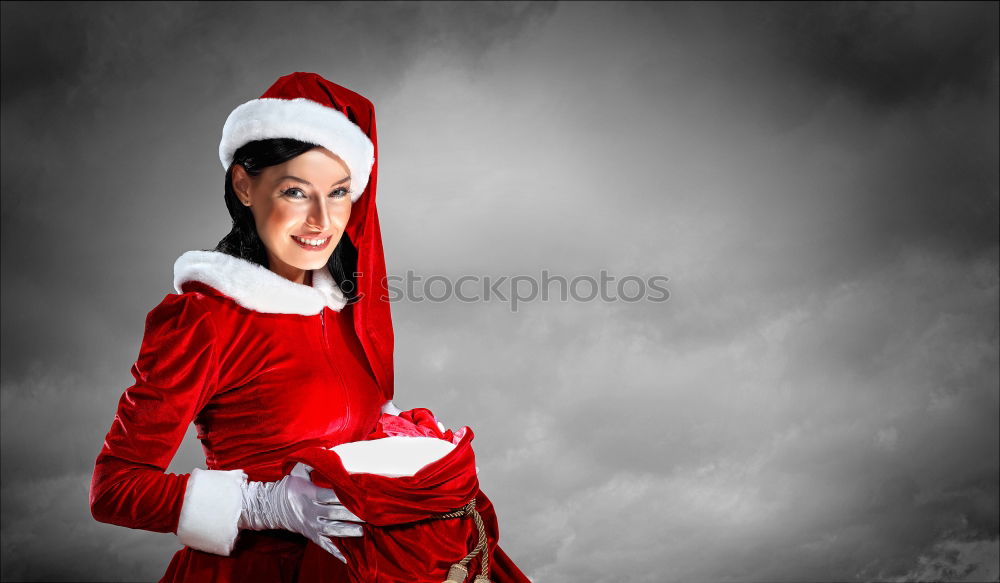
(959,560)
(816,400)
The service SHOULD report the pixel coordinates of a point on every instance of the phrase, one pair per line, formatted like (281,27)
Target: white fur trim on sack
(301,119)
(394,456)
(256,287)
(210,514)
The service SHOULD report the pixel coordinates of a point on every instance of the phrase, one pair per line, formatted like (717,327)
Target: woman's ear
(241,184)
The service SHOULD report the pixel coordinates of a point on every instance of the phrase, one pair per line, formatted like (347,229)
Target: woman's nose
(319,216)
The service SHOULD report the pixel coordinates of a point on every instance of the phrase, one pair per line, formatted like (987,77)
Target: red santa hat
(306,107)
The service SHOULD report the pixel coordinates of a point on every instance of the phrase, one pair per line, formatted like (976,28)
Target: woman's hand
(295,504)
(391,409)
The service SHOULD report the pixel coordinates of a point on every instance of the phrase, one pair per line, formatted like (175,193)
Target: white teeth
(313,242)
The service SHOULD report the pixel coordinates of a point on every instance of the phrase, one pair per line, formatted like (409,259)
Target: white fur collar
(256,287)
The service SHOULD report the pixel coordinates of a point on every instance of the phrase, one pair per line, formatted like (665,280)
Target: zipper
(336,370)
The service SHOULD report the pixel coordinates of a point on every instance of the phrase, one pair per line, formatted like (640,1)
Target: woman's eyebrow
(307,183)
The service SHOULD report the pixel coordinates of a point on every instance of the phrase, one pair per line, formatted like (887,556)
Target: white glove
(392,409)
(295,504)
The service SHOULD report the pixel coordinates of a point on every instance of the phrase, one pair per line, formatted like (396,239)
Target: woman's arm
(175,375)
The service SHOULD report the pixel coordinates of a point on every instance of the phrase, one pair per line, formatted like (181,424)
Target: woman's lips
(301,242)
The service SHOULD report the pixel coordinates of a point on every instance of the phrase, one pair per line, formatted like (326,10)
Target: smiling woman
(262,347)
(277,341)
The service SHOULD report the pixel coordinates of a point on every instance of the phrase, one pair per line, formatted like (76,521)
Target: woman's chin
(306,260)
(313,263)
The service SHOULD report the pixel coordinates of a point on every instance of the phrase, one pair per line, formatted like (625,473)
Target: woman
(278,339)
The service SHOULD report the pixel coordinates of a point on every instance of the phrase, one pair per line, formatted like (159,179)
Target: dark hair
(243,240)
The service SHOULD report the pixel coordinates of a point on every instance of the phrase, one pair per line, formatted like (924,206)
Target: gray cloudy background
(817,400)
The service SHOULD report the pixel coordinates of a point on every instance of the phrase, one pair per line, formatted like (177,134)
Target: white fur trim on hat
(301,119)
(256,287)
(210,514)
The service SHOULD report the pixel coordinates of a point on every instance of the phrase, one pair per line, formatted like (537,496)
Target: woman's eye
(339,193)
(293,193)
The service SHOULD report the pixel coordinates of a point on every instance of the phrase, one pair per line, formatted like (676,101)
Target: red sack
(428,527)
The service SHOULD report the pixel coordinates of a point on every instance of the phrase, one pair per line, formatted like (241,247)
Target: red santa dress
(264,367)
(262,375)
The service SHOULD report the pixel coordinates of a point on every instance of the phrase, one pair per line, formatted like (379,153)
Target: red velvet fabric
(402,543)
(258,386)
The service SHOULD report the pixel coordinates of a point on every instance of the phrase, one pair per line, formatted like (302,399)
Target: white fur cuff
(211,511)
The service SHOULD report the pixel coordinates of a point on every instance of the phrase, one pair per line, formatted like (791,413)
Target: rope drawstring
(459,571)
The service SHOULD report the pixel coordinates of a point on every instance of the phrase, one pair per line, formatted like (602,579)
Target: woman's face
(300,207)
